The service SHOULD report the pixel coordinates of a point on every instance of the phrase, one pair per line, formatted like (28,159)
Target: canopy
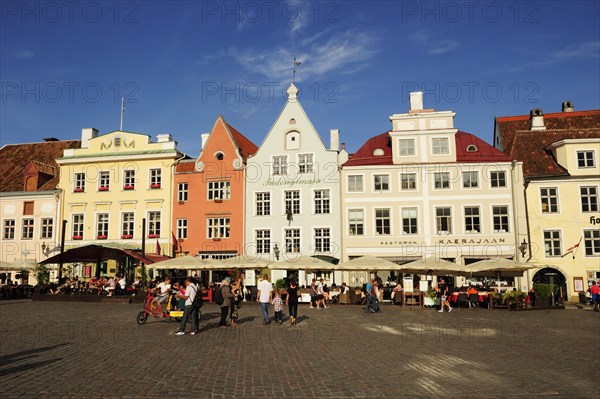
(247,262)
(367,263)
(190,263)
(26,265)
(303,262)
(99,253)
(430,265)
(497,265)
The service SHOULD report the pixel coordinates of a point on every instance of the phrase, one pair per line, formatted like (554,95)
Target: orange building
(208,204)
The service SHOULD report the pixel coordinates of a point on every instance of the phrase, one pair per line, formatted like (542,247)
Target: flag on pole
(122,112)
(572,248)
(157,247)
(175,243)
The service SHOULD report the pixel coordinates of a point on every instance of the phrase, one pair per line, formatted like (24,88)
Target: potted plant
(543,295)
(42,274)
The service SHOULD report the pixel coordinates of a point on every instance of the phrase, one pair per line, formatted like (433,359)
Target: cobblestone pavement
(89,350)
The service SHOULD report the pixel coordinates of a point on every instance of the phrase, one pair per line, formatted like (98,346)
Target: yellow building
(562,173)
(110,186)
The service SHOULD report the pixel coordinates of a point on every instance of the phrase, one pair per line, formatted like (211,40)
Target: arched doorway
(549,274)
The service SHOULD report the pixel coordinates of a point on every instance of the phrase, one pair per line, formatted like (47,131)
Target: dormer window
(471,148)
(585,159)
(378,152)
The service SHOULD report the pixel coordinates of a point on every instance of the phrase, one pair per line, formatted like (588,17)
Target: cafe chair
(344,299)
(462,300)
(473,300)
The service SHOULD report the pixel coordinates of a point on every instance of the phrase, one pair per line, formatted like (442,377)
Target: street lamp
(523,248)
(276,251)
(551,275)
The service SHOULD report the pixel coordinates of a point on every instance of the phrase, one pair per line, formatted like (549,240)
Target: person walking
(237,291)
(595,291)
(442,293)
(264,296)
(292,301)
(190,311)
(226,305)
(278,307)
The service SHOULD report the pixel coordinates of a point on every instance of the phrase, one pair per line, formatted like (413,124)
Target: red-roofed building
(424,188)
(560,154)
(208,204)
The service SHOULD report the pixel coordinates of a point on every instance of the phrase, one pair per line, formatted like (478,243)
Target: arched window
(471,148)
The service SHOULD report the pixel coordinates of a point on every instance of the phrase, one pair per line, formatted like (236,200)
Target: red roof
(364,155)
(187,166)
(246,147)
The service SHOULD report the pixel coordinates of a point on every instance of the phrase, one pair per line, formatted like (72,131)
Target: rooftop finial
(296,63)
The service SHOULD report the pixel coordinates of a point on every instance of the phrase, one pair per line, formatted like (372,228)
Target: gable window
(217,227)
(321,201)
(182,228)
(440,146)
(408,181)
(129,180)
(305,163)
(219,190)
(470,179)
(441,180)
(382,222)
(500,219)
(9,229)
(102,226)
(591,241)
(47,228)
(263,241)
(409,220)
(549,199)
(355,183)
(443,220)
(104,181)
(552,241)
(381,183)
(356,221)
(153,224)
(292,201)
(280,165)
(77,226)
(406,147)
(292,240)
(27,229)
(498,179)
(472,222)
(322,240)
(182,192)
(263,204)
(589,198)
(79,183)
(155,178)
(585,159)
(127,225)
(292,140)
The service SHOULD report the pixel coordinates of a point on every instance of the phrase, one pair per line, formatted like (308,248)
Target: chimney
(164,138)
(536,119)
(86,135)
(567,106)
(334,139)
(50,139)
(416,101)
(343,146)
(204,139)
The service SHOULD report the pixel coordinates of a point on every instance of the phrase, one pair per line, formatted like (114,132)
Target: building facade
(562,173)
(111,185)
(424,189)
(292,191)
(209,195)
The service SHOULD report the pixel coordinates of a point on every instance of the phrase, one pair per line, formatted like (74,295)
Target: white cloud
(431,43)
(570,52)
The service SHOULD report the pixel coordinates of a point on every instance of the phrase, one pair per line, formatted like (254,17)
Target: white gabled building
(292,191)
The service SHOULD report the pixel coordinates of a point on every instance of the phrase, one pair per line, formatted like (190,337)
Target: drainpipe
(525,185)
(172,201)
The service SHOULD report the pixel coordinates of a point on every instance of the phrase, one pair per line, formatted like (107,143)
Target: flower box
(77,237)
(128,187)
(181,202)
(126,236)
(216,239)
(218,201)
(102,188)
(78,190)
(153,235)
(155,186)
(101,237)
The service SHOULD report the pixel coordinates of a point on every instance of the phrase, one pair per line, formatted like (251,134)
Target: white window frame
(410,218)
(104,180)
(495,216)
(591,242)
(280,165)
(383,219)
(293,201)
(586,160)
(354,184)
(441,180)
(102,226)
(27,228)
(46,228)
(8,229)
(406,147)
(79,182)
(262,203)
(497,179)
(556,252)
(77,226)
(155,177)
(592,206)
(154,226)
(182,228)
(129,178)
(322,201)
(437,146)
(407,175)
(468,177)
(218,228)
(472,217)
(218,190)
(292,236)
(183,191)
(306,163)
(129,229)
(438,219)
(549,198)
(385,177)
(262,237)
(354,223)
(322,239)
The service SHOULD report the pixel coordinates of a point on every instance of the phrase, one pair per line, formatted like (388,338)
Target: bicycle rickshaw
(151,309)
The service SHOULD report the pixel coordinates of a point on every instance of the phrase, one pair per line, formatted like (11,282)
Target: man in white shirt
(190,311)
(162,293)
(264,296)
(122,285)
(321,295)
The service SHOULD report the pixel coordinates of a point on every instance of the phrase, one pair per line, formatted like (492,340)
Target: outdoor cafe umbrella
(367,263)
(25,265)
(189,263)
(497,265)
(303,262)
(246,262)
(431,265)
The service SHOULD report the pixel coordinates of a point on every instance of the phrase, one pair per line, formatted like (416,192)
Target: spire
(292,92)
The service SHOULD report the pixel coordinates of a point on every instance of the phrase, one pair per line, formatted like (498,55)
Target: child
(278,306)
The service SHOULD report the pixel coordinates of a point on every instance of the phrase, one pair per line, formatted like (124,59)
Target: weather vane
(296,63)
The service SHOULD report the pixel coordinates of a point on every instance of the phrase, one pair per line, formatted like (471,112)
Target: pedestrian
(226,305)
(292,301)
(278,307)
(237,291)
(595,291)
(321,294)
(190,311)
(367,291)
(375,298)
(313,294)
(442,293)
(264,296)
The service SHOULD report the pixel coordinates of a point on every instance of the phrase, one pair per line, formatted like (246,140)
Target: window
(589,199)
(102,226)
(155,178)
(356,221)
(322,201)
(292,240)
(263,204)
(382,222)
(591,241)
(322,240)
(355,183)
(129,180)
(470,179)
(549,197)
(27,229)
(292,201)
(280,165)
(79,180)
(552,243)
(500,219)
(263,241)
(47,228)
(472,222)
(78,226)
(217,227)
(182,192)
(127,225)
(153,224)
(182,225)
(585,159)
(305,163)
(443,219)
(498,179)
(381,183)
(406,147)
(408,181)
(440,146)
(409,220)
(104,181)
(441,180)
(9,229)
(219,190)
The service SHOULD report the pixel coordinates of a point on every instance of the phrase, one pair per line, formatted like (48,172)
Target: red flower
(78,190)
(128,187)
(126,236)
(103,188)
(153,235)
(155,185)
(101,237)
(77,237)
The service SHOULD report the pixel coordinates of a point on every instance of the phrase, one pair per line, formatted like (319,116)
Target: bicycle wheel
(142,317)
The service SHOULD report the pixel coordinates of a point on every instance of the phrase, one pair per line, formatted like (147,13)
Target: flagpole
(122,112)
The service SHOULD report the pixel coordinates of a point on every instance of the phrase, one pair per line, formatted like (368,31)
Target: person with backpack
(224,296)
(192,305)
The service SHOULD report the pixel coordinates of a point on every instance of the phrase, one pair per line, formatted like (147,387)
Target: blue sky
(64,66)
